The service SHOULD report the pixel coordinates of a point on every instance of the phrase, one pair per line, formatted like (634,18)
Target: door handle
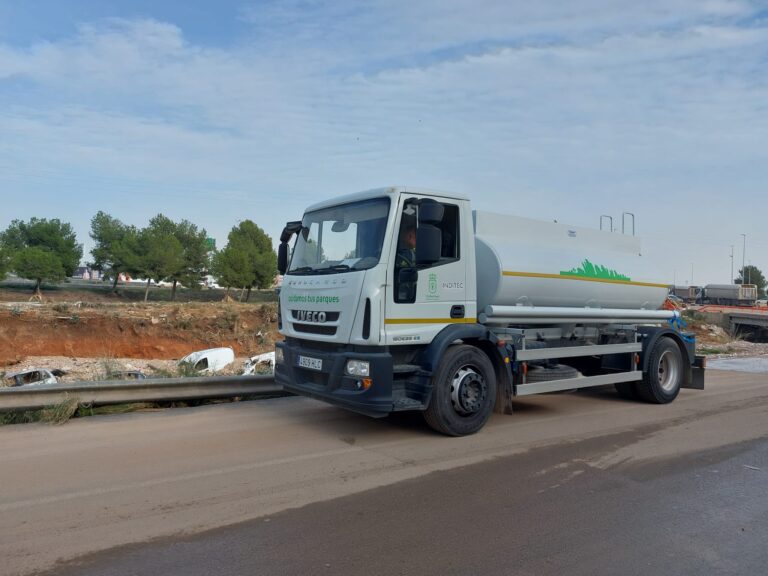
(457,311)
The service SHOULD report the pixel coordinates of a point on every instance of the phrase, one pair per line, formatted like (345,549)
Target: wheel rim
(468,391)
(669,369)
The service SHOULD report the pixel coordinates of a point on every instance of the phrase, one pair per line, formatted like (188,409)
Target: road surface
(575,483)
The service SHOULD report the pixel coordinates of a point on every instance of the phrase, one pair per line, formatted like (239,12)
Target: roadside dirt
(715,342)
(88,369)
(166,331)
(86,324)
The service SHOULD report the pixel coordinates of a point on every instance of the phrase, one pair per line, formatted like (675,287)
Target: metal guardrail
(148,390)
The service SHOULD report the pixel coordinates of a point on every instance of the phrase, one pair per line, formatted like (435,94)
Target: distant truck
(687,294)
(403,299)
(728,294)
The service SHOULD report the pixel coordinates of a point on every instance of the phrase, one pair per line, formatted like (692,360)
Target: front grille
(315,329)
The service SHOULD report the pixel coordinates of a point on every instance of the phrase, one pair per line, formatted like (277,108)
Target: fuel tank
(528,262)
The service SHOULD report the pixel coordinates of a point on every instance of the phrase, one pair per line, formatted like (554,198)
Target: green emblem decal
(432,293)
(589,270)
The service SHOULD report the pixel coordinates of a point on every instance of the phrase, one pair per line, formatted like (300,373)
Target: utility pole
(731,280)
(743,257)
(691,274)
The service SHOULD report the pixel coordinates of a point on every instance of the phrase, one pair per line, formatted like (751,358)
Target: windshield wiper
(333,268)
(301,270)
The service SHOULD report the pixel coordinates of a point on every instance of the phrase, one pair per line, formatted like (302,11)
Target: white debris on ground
(716,331)
(86,369)
(715,342)
(266,360)
(733,349)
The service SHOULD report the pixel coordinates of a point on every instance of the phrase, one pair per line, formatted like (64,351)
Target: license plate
(311,363)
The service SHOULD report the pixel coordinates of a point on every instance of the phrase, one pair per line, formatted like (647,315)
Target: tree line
(45,250)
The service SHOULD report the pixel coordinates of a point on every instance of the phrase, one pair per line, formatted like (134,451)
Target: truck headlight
(279,358)
(361,368)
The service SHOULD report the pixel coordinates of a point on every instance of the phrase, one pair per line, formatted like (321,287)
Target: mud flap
(505,389)
(696,380)
(504,394)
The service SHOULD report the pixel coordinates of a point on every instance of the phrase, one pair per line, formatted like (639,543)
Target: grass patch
(183,370)
(229,320)
(61,412)
(710,351)
(19,417)
(186,370)
(107,366)
(56,415)
(84,411)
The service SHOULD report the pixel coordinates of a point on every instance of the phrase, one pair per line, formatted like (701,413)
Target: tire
(664,376)
(558,372)
(463,392)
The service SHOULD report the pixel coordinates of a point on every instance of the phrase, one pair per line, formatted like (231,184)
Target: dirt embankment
(149,331)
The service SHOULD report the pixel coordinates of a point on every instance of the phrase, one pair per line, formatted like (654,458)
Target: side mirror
(282,257)
(290,229)
(430,211)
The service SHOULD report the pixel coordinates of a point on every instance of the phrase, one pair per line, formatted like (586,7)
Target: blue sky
(221,111)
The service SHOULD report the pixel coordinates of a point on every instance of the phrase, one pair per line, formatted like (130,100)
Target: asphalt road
(572,483)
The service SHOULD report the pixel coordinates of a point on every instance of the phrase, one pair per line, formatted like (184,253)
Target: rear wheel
(664,376)
(463,392)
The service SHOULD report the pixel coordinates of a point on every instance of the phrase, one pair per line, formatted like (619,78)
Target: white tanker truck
(402,299)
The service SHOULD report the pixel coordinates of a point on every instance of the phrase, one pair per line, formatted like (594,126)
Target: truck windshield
(341,238)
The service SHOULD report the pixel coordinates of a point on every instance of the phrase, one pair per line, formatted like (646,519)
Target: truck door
(424,296)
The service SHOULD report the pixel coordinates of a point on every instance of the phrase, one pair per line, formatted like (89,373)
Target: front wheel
(463,392)
(664,377)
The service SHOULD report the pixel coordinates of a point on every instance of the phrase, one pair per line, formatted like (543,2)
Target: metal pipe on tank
(547,315)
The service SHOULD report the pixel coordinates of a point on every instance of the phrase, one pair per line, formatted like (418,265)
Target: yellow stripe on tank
(582,278)
(430,321)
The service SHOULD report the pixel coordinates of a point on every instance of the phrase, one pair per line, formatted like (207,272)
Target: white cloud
(562,111)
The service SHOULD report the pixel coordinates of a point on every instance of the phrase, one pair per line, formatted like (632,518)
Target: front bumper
(330,383)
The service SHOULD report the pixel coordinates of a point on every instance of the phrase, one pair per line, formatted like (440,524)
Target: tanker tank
(525,262)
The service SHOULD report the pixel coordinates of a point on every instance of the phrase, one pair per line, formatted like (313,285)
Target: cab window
(445,231)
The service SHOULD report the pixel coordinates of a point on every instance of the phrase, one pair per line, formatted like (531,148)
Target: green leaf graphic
(589,270)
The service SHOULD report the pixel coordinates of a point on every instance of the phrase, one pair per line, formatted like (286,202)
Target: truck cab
(372,279)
